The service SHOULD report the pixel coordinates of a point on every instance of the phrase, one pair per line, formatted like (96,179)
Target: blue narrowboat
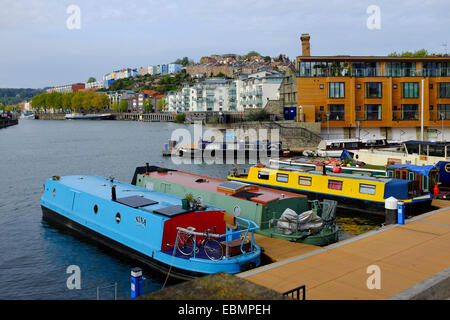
(156,229)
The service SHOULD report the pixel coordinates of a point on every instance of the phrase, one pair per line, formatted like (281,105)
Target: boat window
(304,181)
(436,151)
(411,176)
(335,184)
(397,174)
(95,209)
(425,185)
(390,174)
(412,148)
(351,145)
(367,188)
(118,217)
(404,175)
(263,175)
(282,177)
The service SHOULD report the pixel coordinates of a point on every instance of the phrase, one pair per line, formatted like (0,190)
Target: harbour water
(35,256)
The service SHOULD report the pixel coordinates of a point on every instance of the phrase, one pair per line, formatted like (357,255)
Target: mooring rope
(171,263)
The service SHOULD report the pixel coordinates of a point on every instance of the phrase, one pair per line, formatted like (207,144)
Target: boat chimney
(324,170)
(147,166)
(113,193)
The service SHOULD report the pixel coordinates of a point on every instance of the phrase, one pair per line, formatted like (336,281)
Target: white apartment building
(209,95)
(218,94)
(254,90)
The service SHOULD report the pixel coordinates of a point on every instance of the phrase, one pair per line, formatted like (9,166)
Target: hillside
(11,96)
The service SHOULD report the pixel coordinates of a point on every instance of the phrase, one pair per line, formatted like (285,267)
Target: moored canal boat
(262,205)
(151,227)
(350,190)
(410,152)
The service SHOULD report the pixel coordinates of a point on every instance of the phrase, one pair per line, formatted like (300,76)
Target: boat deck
(259,194)
(406,255)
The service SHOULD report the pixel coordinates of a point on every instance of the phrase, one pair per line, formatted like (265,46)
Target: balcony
(400,115)
(368,116)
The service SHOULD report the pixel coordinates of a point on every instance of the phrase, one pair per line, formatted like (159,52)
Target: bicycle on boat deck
(212,248)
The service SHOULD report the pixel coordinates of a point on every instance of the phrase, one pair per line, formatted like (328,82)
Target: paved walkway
(405,254)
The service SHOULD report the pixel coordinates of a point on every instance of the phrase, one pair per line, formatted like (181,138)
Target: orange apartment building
(370,97)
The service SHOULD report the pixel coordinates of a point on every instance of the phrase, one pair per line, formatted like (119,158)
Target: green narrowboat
(263,206)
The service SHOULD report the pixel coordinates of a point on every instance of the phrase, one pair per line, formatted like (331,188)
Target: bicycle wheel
(185,244)
(213,249)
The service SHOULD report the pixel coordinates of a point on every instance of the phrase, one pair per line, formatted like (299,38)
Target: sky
(46,43)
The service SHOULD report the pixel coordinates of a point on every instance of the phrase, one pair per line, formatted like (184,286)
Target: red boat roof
(264,195)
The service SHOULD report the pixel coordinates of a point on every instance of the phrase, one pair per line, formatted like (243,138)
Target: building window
(444,112)
(304,181)
(336,111)
(444,90)
(336,90)
(374,90)
(335,184)
(367,189)
(373,112)
(410,112)
(282,177)
(410,89)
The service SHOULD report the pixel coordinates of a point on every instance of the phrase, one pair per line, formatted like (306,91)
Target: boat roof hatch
(136,201)
(233,186)
(172,211)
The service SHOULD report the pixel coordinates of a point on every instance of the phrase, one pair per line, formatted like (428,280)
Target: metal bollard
(136,282)
(391,207)
(401,213)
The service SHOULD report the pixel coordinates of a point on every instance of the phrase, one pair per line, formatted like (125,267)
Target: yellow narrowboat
(350,190)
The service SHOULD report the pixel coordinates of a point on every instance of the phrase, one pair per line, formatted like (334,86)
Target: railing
(373,72)
(295,293)
(251,227)
(294,132)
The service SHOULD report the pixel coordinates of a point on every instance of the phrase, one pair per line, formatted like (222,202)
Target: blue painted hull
(83,204)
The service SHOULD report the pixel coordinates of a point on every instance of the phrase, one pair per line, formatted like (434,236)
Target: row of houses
(169,68)
(218,94)
(109,78)
(134,99)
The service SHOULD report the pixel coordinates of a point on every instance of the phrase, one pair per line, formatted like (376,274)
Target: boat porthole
(95,209)
(54,192)
(118,217)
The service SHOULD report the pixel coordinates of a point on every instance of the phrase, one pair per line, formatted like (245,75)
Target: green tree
(38,102)
(115,106)
(418,53)
(77,101)
(123,106)
(148,105)
(91,79)
(66,101)
(161,104)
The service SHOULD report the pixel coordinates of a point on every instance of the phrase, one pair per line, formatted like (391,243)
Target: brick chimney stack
(305,44)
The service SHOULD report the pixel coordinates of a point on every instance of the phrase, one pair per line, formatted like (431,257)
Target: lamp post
(421,111)
(328,125)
